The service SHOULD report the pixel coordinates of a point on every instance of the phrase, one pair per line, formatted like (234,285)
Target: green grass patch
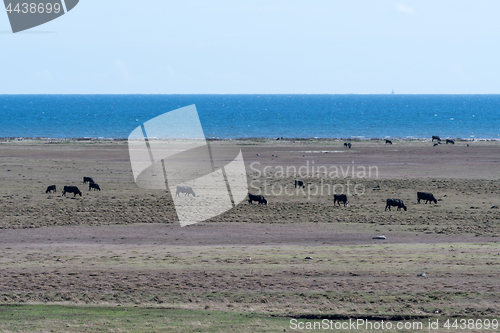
(60,318)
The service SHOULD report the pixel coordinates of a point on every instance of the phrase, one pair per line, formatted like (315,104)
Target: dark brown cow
(395,203)
(50,189)
(426,196)
(259,198)
(299,183)
(338,198)
(94,186)
(71,189)
(87,180)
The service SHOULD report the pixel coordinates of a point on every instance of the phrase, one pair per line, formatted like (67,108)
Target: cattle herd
(74,189)
(187,190)
(438,139)
(342,199)
(337,198)
(434,138)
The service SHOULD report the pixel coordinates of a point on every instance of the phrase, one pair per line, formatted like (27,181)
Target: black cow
(87,180)
(436,137)
(426,196)
(94,186)
(299,183)
(396,203)
(71,189)
(187,190)
(338,198)
(259,198)
(50,189)
(436,144)
(388,142)
(345,144)
(450,141)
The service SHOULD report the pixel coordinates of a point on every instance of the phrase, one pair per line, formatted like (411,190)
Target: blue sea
(258,116)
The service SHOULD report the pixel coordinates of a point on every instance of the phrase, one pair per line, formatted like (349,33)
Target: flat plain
(122,248)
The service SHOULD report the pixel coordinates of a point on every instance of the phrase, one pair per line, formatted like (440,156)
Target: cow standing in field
(87,180)
(71,189)
(426,196)
(299,183)
(50,189)
(388,142)
(395,203)
(94,186)
(450,141)
(338,198)
(259,198)
(187,190)
(436,137)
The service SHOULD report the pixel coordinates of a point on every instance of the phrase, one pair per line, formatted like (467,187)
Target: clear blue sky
(253,46)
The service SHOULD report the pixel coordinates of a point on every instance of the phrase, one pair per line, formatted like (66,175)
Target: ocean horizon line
(251,94)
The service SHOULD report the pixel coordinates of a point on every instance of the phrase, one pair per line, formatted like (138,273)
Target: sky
(257,47)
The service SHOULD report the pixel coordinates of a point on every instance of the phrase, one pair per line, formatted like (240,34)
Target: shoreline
(309,139)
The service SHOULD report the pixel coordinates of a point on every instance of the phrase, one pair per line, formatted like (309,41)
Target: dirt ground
(124,244)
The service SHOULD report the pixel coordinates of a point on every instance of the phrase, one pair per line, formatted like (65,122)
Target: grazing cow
(436,137)
(259,198)
(186,190)
(450,141)
(71,189)
(94,186)
(299,183)
(345,144)
(396,203)
(87,180)
(426,196)
(388,142)
(338,198)
(50,189)
(349,145)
